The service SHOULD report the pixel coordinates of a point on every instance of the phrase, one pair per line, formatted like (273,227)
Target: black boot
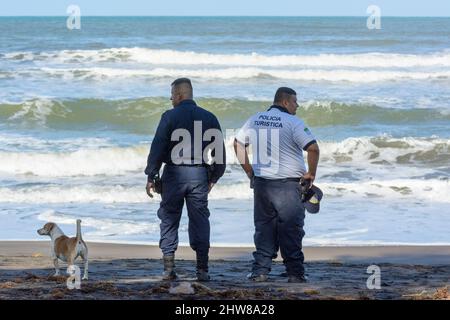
(301,278)
(202,268)
(169,268)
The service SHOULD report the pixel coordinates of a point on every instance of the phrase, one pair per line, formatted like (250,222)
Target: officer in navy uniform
(187,175)
(278,138)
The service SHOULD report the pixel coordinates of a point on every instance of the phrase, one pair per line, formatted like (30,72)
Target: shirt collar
(282,109)
(186,101)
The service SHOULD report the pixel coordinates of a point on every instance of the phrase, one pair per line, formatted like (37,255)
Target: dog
(65,248)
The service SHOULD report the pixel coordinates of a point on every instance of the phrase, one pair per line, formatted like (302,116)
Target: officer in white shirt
(277,139)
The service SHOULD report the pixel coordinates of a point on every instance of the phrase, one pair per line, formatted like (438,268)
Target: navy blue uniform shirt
(183,116)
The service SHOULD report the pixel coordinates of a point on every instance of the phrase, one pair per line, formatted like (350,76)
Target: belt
(185,165)
(279,180)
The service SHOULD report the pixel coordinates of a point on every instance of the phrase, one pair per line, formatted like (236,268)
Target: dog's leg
(86,265)
(71,263)
(56,264)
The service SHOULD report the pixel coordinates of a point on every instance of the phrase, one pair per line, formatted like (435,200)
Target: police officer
(277,138)
(181,141)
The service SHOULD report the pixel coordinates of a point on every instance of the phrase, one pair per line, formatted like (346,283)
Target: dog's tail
(79,230)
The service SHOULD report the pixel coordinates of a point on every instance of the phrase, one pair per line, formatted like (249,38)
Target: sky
(225,7)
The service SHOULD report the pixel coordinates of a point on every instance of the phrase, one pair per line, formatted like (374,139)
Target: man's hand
(149,188)
(250,174)
(210,186)
(309,176)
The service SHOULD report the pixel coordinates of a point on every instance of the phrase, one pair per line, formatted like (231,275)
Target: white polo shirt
(277,140)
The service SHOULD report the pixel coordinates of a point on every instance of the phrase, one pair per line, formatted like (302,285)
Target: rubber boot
(202,268)
(169,268)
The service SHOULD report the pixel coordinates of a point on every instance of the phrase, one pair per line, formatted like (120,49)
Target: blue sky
(227,7)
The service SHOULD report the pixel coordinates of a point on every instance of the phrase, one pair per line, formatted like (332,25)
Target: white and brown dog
(65,248)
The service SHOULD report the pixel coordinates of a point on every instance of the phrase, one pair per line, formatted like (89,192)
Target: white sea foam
(337,75)
(83,162)
(173,57)
(432,190)
(15,142)
(384,148)
(102,227)
(106,194)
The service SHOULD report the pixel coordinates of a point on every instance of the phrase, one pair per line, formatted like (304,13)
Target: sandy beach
(123,271)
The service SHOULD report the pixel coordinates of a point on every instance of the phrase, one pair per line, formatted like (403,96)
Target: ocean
(78,110)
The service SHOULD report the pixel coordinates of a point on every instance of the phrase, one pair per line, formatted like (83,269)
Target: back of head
(283,93)
(182,87)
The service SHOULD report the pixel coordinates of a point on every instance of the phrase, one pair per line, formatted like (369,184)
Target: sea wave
(385,150)
(83,162)
(431,190)
(112,161)
(142,115)
(174,57)
(243,73)
(125,63)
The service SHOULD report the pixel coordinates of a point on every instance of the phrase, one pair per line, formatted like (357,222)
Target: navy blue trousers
(180,183)
(279,218)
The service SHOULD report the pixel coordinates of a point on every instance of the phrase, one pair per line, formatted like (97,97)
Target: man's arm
(219,164)
(158,150)
(219,167)
(306,140)
(242,156)
(313,161)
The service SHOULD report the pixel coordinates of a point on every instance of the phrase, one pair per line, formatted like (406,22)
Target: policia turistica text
(184,136)
(277,138)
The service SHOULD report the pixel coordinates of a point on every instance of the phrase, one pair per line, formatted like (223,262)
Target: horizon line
(219,16)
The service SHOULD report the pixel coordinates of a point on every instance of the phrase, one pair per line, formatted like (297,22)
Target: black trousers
(180,183)
(279,218)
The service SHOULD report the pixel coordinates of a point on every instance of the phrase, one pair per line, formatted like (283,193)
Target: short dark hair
(282,93)
(182,80)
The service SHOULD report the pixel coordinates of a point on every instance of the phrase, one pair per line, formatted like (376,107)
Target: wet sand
(120,271)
